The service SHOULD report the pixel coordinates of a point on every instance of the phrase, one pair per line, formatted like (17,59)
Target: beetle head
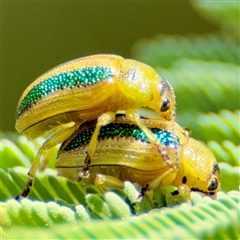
(163,101)
(200,170)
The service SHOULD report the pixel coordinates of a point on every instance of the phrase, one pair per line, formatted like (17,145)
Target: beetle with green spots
(95,87)
(124,153)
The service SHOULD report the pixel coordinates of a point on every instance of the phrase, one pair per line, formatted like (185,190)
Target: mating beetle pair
(91,88)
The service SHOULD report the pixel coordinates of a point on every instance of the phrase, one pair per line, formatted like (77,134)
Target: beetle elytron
(124,152)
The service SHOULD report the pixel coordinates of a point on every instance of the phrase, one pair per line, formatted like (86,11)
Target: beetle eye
(165,105)
(213,184)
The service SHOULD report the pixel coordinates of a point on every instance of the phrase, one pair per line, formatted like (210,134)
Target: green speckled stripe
(79,78)
(123,130)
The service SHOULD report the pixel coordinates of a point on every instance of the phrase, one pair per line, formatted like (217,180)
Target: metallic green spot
(123,130)
(77,78)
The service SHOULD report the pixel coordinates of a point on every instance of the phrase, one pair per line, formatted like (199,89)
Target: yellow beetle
(93,87)
(124,152)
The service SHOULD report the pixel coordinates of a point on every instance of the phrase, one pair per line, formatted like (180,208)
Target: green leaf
(118,207)
(213,126)
(11,155)
(82,213)
(224,13)
(226,152)
(164,50)
(204,86)
(187,221)
(230,177)
(98,206)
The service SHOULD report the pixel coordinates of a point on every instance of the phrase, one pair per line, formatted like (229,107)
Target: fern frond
(229,177)
(224,13)
(213,126)
(164,50)
(204,86)
(226,152)
(186,221)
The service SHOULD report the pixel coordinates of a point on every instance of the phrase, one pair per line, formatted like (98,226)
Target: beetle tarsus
(88,159)
(142,192)
(84,173)
(26,191)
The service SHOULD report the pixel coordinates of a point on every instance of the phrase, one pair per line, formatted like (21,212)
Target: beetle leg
(103,120)
(142,193)
(133,116)
(106,182)
(156,182)
(184,190)
(62,133)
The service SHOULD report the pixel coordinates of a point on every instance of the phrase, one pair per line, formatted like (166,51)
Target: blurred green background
(37,36)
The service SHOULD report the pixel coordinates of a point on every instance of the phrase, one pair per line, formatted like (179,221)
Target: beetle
(88,88)
(124,152)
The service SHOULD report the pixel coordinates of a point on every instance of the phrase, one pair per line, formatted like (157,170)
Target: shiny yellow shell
(126,157)
(84,88)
